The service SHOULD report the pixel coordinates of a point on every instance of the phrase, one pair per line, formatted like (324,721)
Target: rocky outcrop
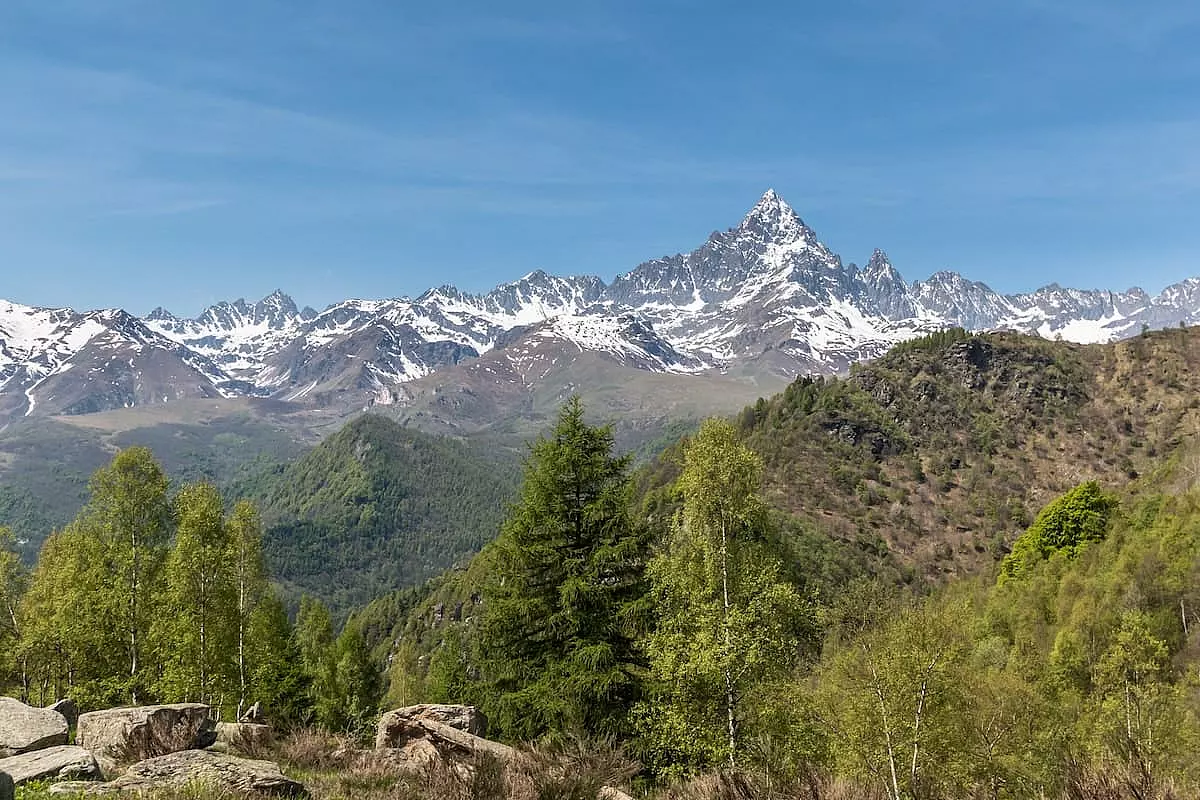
(123,736)
(453,742)
(24,729)
(68,709)
(220,774)
(417,756)
(243,738)
(399,726)
(54,763)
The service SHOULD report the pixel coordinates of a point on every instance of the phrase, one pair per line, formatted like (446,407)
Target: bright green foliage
(129,513)
(197,629)
(87,615)
(565,601)
(916,706)
(357,685)
(278,679)
(1066,525)
(1140,717)
(345,684)
(727,619)
(71,630)
(314,642)
(13,580)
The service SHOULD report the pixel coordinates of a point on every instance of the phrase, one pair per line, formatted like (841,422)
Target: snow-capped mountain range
(766,296)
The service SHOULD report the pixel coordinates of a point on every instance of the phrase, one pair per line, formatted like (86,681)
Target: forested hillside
(980,557)
(378,506)
(45,463)
(947,446)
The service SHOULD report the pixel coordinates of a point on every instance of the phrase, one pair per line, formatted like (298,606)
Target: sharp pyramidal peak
(765,297)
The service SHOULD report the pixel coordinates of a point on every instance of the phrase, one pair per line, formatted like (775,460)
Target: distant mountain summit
(765,297)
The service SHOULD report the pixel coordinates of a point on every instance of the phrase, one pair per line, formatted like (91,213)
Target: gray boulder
(54,763)
(24,729)
(220,774)
(121,736)
(402,725)
(7,792)
(243,737)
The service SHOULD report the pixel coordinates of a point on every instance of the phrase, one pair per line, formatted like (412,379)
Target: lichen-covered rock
(244,738)
(219,773)
(24,729)
(54,763)
(400,726)
(122,736)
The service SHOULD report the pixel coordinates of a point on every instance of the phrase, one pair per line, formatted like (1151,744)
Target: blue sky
(154,151)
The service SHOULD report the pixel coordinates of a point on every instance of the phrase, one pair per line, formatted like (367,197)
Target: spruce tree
(566,598)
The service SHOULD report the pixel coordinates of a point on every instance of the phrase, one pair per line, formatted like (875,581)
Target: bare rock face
(54,763)
(122,736)
(402,725)
(24,729)
(242,737)
(221,774)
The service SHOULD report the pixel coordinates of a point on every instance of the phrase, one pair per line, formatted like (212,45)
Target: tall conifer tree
(566,601)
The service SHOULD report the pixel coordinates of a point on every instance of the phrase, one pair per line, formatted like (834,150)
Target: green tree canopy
(1066,525)
(566,599)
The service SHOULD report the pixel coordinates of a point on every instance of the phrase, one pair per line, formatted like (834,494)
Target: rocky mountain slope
(764,298)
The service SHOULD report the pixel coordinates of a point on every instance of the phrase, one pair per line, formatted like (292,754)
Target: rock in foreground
(24,729)
(6,787)
(245,738)
(221,774)
(54,763)
(122,736)
(399,726)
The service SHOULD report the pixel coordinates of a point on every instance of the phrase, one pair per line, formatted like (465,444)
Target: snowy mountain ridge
(765,296)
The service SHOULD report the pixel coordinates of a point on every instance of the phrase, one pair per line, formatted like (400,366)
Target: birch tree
(245,556)
(728,620)
(196,632)
(130,513)
(14,578)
